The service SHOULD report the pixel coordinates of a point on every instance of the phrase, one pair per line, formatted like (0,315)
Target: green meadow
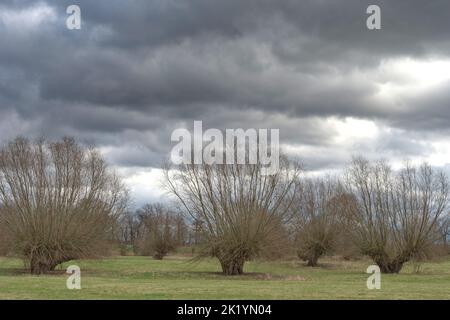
(179,277)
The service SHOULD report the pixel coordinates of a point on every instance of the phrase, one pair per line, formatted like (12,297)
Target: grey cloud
(137,70)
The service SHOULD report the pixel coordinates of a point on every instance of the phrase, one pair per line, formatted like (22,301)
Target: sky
(139,69)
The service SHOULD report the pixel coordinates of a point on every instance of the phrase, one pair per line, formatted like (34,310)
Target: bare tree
(161,230)
(345,206)
(181,229)
(237,204)
(129,228)
(196,232)
(315,219)
(59,201)
(5,241)
(444,229)
(397,212)
(127,231)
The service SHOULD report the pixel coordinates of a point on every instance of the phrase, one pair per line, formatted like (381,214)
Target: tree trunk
(390,267)
(311,257)
(233,267)
(40,265)
(158,256)
(312,261)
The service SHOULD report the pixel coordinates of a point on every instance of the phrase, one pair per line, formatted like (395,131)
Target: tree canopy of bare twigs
(316,218)
(58,201)
(444,229)
(5,241)
(238,206)
(160,230)
(397,213)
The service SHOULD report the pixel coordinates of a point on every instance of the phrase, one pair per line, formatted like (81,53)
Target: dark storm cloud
(427,112)
(139,69)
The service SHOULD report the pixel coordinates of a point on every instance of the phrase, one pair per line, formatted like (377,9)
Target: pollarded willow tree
(160,230)
(239,206)
(315,218)
(396,213)
(58,200)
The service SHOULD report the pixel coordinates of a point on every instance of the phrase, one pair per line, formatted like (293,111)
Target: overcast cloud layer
(139,69)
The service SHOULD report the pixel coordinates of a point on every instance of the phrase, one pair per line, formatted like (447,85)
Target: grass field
(177,277)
